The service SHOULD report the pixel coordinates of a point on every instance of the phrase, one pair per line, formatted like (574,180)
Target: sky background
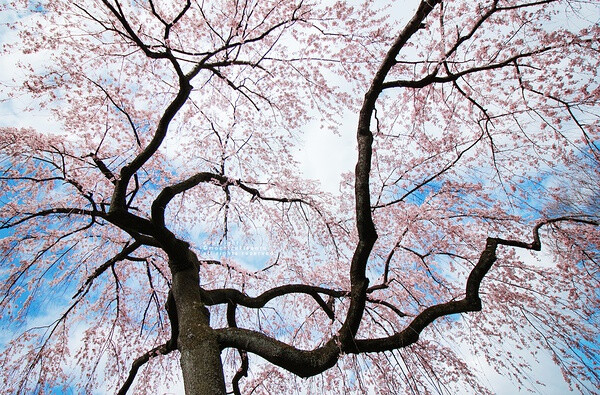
(325,156)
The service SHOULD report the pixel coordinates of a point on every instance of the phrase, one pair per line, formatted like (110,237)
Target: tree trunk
(200,353)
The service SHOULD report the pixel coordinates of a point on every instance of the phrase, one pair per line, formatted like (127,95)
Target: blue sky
(318,161)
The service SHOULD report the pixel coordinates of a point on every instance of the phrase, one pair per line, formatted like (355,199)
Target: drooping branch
(229,46)
(433,177)
(434,77)
(185,87)
(589,141)
(121,256)
(163,349)
(12,222)
(494,9)
(120,109)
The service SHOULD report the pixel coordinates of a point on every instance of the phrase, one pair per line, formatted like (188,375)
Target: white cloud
(325,156)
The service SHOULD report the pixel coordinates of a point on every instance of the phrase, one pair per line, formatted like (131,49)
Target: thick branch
(471,301)
(132,224)
(130,33)
(364,221)
(308,363)
(223,296)
(451,77)
(300,362)
(118,199)
(167,194)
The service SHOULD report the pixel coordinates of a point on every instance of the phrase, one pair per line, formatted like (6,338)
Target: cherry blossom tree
(157,227)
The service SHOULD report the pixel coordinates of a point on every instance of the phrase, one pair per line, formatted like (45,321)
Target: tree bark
(197,342)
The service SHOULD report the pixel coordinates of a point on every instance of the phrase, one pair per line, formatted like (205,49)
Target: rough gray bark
(197,342)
